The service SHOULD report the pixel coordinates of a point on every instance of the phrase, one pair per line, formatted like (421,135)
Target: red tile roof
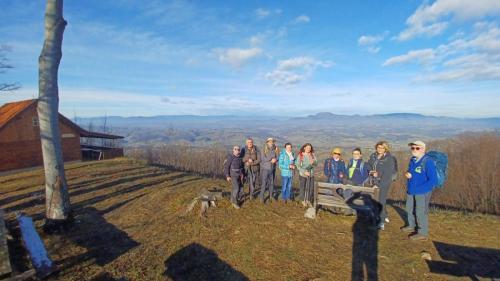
(9,110)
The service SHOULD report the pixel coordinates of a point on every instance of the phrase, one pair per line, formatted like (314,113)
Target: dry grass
(130,223)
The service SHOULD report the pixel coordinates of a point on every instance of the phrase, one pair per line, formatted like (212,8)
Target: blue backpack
(441,161)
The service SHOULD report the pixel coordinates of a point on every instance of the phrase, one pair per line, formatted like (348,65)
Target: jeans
(267,183)
(286,187)
(417,211)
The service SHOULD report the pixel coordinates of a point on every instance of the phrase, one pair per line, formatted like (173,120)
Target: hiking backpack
(441,161)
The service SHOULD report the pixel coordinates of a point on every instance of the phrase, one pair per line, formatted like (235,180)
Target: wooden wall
(20,145)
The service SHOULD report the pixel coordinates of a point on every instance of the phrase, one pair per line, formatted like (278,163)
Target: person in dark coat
(234,172)
(334,167)
(383,171)
(251,158)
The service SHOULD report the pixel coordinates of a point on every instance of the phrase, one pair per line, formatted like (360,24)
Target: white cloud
(420,56)
(430,19)
(295,70)
(264,13)
(370,42)
(471,57)
(237,57)
(367,40)
(302,19)
(256,40)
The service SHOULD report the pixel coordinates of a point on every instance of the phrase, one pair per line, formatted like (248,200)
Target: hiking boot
(408,229)
(235,206)
(381,226)
(418,237)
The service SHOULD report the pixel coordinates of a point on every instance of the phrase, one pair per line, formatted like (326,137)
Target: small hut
(20,145)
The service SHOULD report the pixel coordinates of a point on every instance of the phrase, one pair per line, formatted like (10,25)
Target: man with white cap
(422,178)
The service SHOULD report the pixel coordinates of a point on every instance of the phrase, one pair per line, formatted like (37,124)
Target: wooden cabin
(20,145)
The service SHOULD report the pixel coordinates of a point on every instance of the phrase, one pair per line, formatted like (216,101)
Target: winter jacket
(304,165)
(253,154)
(386,168)
(284,163)
(233,166)
(422,179)
(265,159)
(360,173)
(333,169)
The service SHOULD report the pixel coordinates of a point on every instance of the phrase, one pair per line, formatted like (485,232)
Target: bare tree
(56,188)
(4,66)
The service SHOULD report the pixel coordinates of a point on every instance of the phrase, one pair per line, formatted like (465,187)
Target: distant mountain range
(198,121)
(324,128)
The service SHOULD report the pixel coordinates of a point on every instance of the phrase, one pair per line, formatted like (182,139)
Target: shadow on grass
(106,276)
(102,240)
(195,262)
(462,261)
(365,239)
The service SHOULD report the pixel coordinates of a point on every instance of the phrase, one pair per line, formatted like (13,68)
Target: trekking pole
(306,189)
(250,181)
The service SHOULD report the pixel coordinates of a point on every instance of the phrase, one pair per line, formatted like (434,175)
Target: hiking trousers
(252,177)
(267,183)
(306,189)
(417,211)
(237,186)
(384,191)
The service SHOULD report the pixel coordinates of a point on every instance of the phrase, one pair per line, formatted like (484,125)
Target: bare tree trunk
(56,189)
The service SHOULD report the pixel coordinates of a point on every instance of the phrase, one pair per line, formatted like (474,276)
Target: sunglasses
(236,149)
(415,148)
(336,153)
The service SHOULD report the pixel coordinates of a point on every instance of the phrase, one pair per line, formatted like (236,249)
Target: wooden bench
(325,194)
(5,267)
(42,264)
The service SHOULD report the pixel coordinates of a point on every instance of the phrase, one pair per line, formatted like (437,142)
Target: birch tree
(56,188)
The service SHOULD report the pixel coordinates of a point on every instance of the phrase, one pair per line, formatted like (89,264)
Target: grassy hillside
(131,223)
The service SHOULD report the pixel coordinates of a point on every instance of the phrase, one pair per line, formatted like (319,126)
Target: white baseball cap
(417,143)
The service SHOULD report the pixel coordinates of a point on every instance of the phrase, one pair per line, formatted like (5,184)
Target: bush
(472,183)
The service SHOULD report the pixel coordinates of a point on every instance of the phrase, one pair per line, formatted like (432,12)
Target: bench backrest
(327,193)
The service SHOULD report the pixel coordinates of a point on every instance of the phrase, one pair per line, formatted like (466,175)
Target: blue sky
(156,57)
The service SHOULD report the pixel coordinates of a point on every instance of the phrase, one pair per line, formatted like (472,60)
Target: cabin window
(35,122)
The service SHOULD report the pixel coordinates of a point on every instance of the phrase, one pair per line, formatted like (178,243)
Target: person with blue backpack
(334,168)
(422,178)
(357,173)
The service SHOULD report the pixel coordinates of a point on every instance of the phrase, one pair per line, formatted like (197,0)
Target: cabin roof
(9,111)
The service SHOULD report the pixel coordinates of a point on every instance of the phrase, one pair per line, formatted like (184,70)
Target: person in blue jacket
(287,166)
(334,168)
(422,178)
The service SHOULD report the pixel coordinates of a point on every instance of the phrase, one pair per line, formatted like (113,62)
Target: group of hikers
(258,167)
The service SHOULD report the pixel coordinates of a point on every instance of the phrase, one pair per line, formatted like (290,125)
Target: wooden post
(34,245)
(5,267)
